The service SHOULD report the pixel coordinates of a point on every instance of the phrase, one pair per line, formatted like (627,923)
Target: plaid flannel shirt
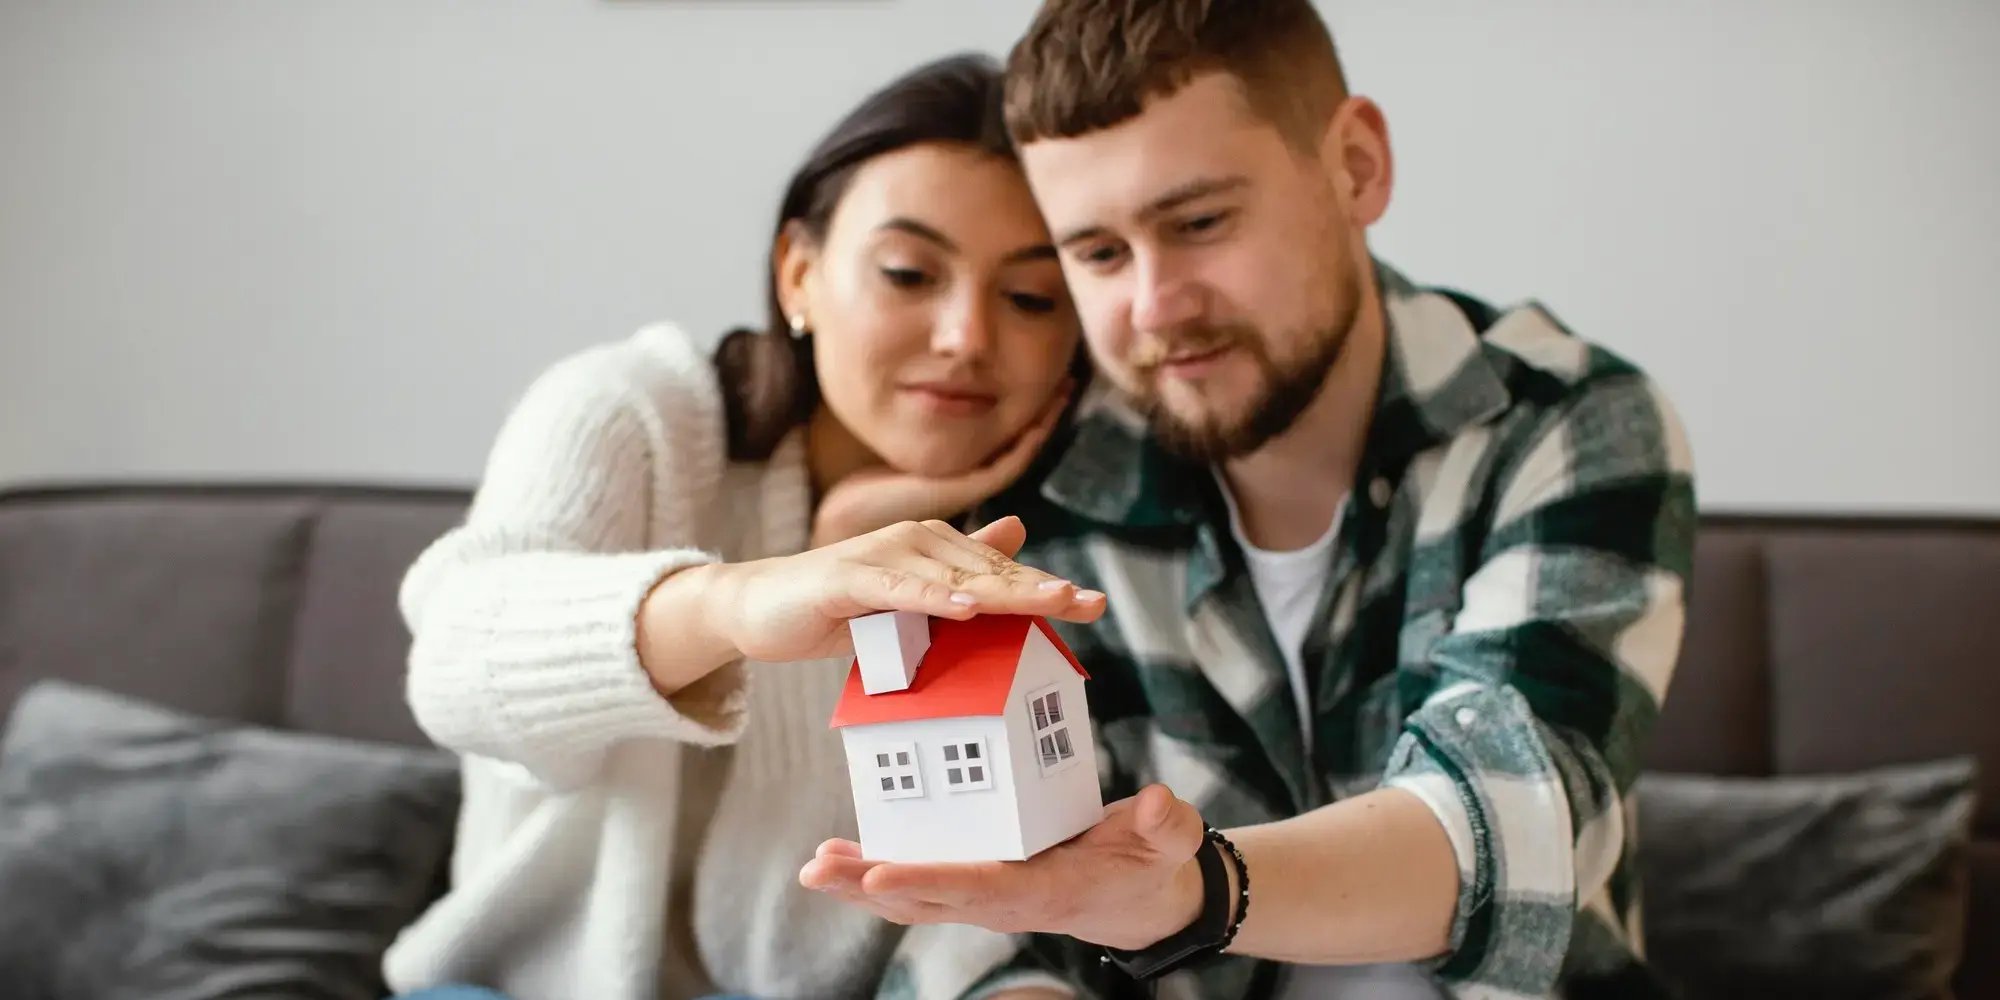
(1503,613)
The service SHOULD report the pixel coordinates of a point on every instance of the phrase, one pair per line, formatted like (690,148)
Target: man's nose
(1161,298)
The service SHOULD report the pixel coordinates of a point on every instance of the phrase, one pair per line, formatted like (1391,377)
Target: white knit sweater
(614,844)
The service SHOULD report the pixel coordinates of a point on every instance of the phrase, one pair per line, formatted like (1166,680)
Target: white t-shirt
(1289,584)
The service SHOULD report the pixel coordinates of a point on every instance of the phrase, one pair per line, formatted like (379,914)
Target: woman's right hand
(796,607)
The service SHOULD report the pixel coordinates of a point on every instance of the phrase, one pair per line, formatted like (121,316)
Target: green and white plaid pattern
(1505,608)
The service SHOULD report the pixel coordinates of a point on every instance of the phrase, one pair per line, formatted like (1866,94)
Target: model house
(966,741)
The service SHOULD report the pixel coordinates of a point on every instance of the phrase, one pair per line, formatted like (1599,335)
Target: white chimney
(890,645)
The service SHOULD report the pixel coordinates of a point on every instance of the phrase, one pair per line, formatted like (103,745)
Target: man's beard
(1283,394)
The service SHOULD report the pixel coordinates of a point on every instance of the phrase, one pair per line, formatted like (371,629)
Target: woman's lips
(950,401)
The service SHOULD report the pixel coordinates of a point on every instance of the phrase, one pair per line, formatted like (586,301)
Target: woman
(651,518)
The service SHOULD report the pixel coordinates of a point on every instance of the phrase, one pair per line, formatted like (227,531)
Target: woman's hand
(797,607)
(878,497)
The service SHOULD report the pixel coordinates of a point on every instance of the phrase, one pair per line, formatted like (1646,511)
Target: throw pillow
(146,853)
(1827,886)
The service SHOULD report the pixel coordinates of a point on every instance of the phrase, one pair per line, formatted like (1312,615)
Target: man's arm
(1551,676)
(1367,879)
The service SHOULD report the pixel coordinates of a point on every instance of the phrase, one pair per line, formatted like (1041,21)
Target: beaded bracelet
(1235,856)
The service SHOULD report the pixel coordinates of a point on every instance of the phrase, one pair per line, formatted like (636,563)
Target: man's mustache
(1188,341)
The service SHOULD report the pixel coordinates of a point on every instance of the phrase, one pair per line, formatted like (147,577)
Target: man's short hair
(1086,65)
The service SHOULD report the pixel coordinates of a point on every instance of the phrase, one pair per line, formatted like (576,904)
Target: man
(1395,579)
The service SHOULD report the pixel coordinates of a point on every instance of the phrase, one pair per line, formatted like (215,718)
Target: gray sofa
(1815,645)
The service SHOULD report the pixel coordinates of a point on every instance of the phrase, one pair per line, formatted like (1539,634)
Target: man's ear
(793,257)
(1355,150)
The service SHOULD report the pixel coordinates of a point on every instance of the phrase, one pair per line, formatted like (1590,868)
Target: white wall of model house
(1019,808)
(1066,799)
(940,824)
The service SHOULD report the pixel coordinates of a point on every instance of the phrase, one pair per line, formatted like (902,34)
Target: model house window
(896,775)
(967,767)
(1052,740)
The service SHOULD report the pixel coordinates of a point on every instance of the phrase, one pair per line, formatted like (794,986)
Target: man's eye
(905,277)
(1098,256)
(1203,223)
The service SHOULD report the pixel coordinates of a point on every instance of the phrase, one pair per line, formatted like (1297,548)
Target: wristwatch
(1212,929)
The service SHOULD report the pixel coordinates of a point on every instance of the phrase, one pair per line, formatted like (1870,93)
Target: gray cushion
(145,853)
(1827,886)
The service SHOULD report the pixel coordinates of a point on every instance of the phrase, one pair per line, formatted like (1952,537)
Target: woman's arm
(524,619)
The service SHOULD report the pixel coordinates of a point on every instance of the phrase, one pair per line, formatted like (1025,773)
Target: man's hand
(1127,882)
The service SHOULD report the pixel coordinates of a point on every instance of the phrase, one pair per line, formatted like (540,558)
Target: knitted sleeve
(524,618)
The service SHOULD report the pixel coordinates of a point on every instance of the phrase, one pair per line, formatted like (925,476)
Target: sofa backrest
(269,605)
(1813,644)
(1819,645)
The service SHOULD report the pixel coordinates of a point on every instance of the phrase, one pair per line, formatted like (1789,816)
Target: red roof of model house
(968,670)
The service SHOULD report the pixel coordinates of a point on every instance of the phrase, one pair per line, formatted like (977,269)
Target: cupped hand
(1127,882)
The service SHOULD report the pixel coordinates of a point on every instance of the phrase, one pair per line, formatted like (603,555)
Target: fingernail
(1090,595)
(966,599)
(1054,584)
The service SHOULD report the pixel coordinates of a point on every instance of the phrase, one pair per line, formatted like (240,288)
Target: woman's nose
(966,330)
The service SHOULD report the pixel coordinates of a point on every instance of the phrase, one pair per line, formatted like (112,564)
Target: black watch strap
(1209,933)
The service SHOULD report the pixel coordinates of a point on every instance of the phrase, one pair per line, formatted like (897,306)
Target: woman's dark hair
(768,384)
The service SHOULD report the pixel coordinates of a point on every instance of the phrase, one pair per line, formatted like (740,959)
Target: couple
(1381,583)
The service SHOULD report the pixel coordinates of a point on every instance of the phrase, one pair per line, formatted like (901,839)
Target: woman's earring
(798,321)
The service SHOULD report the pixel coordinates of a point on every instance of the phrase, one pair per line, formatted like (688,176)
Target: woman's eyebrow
(905,224)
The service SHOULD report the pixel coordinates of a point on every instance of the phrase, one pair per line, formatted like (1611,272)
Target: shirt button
(1379,492)
(1465,717)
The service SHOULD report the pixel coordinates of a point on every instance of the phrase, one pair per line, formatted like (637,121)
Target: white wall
(333,240)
